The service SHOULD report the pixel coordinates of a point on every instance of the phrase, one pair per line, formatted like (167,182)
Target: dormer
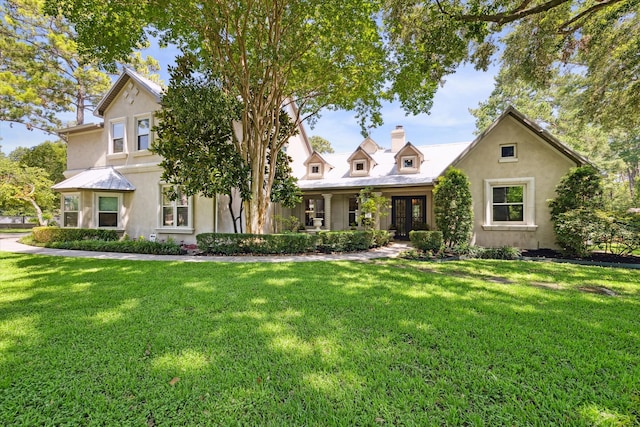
(316,166)
(408,159)
(369,146)
(361,162)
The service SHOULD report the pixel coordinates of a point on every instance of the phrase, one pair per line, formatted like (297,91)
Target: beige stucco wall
(536,159)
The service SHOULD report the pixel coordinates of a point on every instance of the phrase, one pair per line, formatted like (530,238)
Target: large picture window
(510,204)
(176,211)
(108,210)
(70,210)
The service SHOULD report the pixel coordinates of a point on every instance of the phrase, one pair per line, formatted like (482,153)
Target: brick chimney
(397,139)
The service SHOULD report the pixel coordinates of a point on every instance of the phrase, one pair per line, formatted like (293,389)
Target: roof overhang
(96,179)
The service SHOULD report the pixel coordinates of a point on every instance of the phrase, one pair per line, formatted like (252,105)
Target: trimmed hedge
(57,234)
(124,246)
(260,244)
(427,241)
(290,243)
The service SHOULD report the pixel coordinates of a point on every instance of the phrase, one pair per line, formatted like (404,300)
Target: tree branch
(564,28)
(506,17)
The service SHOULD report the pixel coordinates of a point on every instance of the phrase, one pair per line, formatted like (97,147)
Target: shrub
(504,252)
(231,244)
(124,246)
(56,234)
(576,230)
(350,241)
(427,241)
(618,233)
(453,207)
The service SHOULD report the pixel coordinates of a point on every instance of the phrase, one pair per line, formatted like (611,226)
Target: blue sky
(448,121)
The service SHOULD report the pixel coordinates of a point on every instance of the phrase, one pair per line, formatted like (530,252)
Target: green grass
(100,342)
(14,230)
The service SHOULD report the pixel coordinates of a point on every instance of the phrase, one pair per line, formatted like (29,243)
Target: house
(513,167)
(114,181)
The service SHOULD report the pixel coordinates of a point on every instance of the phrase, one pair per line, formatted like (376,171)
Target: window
(359,166)
(315,169)
(117,137)
(143,130)
(176,208)
(70,210)
(313,208)
(508,153)
(407,162)
(510,204)
(353,212)
(108,210)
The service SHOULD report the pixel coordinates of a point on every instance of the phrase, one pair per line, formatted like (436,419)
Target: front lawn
(101,342)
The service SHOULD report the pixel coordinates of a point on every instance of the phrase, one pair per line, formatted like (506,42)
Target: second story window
(142,133)
(117,137)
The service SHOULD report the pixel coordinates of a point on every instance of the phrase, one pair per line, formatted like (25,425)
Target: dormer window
(360,165)
(508,153)
(408,159)
(315,169)
(409,162)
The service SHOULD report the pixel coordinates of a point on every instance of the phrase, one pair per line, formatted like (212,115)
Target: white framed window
(108,210)
(353,212)
(359,167)
(315,169)
(508,153)
(409,164)
(143,132)
(510,204)
(176,208)
(117,136)
(71,210)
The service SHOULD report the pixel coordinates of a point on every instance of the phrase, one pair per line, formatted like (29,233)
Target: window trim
(409,169)
(354,167)
(315,174)
(79,211)
(177,229)
(118,212)
(112,123)
(529,207)
(509,159)
(137,119)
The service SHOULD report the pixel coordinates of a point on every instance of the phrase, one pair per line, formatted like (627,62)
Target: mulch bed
(594,256)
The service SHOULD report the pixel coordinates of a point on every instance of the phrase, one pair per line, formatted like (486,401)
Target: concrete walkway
(9,243)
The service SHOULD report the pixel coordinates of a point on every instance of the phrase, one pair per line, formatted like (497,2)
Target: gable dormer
(316,166)
(408,159)
(361,162)
(369,146)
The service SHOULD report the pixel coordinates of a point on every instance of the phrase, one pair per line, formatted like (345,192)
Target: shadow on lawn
(310,343)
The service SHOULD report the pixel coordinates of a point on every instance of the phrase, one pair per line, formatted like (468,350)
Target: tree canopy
(320,144)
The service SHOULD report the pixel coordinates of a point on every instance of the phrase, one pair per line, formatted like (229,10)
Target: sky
(448,121)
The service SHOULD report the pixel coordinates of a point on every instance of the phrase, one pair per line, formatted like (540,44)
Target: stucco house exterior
(115,182)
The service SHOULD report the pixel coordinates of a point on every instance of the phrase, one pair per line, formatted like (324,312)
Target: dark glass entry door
(408,213)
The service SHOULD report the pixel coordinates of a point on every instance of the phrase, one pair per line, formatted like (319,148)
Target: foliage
(503,253)
(427,241)
(138,246)
(25,188)
(56,234)
(290,225)
(50,156)
(259,244)
(351,241)
(453,208)
(320,145)
(618,233)
(42,73)
(573,211)
(372,206)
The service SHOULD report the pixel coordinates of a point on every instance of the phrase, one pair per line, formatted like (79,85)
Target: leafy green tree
(25,189)
(320,144)
(372,207)
(41,71)
(50,156)
(453,208)
(194,139)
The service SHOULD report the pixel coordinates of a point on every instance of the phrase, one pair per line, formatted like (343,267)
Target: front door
(408,213)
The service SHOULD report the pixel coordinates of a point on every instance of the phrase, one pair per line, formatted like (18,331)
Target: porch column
(377,224)
(327,211)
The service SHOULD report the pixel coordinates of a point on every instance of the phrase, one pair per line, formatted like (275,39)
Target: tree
(194,139)
(41,72)
(453,208)
(50,156)
(25,187)
(269,54)
(372,207)
(320,144)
